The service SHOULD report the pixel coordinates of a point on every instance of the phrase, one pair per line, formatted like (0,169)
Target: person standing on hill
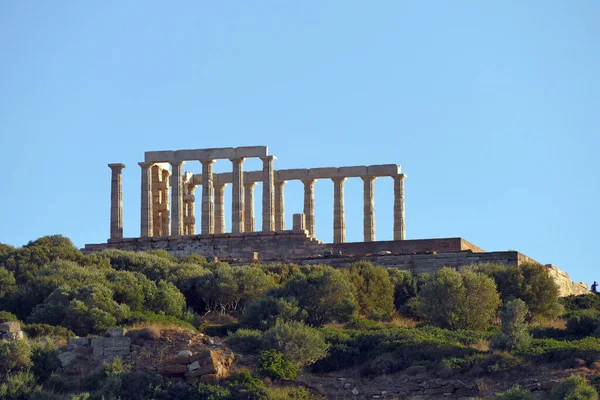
(595,287)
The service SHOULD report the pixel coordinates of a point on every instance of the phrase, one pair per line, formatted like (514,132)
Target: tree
(268,310)
(453,300)
(405,286)
(325,295)
(301,344)
(514,334)
(574,387)
(372,289)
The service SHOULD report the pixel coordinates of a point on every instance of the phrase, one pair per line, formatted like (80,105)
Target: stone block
(79,341)
(18,335)
(383,170)
(193,366)
(67,358)
(116,332)
(172,369)
(111,342)
(211,379)
(10,326)
(116,351)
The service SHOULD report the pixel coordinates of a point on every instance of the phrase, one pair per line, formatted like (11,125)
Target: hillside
(209,330)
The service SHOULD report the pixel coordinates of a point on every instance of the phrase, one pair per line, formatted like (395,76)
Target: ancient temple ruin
(168,217)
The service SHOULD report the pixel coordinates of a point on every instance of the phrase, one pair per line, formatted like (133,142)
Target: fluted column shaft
(237,196)
(176,199)
(279,207)
(116,201)
(268,215)
(146,214)
(309,205)
(249,221)
(220,208)
(369,209)
(399,224)
(208,217)
(339,216)
(166,209)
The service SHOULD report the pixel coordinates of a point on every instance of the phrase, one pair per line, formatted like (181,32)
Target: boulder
(172,369)
(10,326)
(17,335)
(67,358)
(79,341)
(116,332)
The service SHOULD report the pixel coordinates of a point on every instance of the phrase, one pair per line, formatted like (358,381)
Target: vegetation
(314,318)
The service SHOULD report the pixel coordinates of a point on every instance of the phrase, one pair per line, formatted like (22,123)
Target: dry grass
(481,345)
(402,322)
(558,323)
(482,385)
(148,331)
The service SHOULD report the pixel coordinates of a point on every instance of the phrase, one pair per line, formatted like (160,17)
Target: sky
(492,108)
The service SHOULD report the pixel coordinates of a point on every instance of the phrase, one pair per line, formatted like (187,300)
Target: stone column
(208,217)
(237,196)
(369,209)
(176,199)
(146,217)
(189,200)
(268,217)
(220,208)
(279,207)
(399,224)
(339,216)
(116,201)
(309,205)
(166,207)
(249,222)
(299,222)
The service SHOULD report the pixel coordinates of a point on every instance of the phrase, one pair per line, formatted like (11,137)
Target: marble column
(208,217)
(309,205)
(146,217)
(279,206)
(268,217)
(399,224)
(339,216)
(116,201)
(176,199)
(189,200)
(249,221)
(166,204)
(220,208)
(369,209)
(237,196)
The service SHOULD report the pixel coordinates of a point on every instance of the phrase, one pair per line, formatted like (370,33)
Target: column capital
(176,163)
(249,184)
(220,185)
(400,176)
(368,178)
(207,161)
(280,183)
(268,158)
(237,159)
(309,181)
(145,164)
(117,166)
(339,179)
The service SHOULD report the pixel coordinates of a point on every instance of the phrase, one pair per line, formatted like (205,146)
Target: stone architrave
(399,221)
(220,208)
(146,217)
(339,216)
(177,198)
(268,217)
(369,209)
(309,205)
(237,196)
(116,201)
(279,206)
(249,221)
(208,217)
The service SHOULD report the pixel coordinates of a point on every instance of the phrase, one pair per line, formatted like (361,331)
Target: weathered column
(189,200)
(369,209)
(166,204)
(146,219)
(299,222)
(156,200)
(208,217)
(116,201)
(399,224)
(237,196)
(176,199)
(268,217)
(339,216)
(309,205)
(220,208)
(279,207)
(249,221)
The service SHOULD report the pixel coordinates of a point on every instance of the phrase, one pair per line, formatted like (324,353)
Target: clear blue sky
(491,107)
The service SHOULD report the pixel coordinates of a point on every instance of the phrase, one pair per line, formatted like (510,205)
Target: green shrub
(249,387)
(141,385)
(221,330)
(246,340)
(150,318)
(39,330)
(267,311)
(44,356)
(362,324)
(209,392)
(574,387)
(405,287)
(580,302)
(582,322)
(459,300)
(18,386)
(14,356)
(560,350)
(515,393)
(5,316)
(513,334)
(373,290)
(8,283)
(302,344)
(595,380)
(276,366)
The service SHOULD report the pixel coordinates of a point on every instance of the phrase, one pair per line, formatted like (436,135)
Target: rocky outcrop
(566,287)
(11,330)
(207,365)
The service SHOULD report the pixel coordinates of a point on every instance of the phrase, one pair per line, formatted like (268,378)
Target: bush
(39,330)
(582,322)
(554,350)
(14,356)
(300,343)
(267,311)
(5,316)
(249,387)
(44,356)
(372,289)
(453,300)
(580,302)
(574,387)
(362,324)
(405,287)
(274,365)
(209,392)
(515,393)
(19,386)
(246,340)
(514,334)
